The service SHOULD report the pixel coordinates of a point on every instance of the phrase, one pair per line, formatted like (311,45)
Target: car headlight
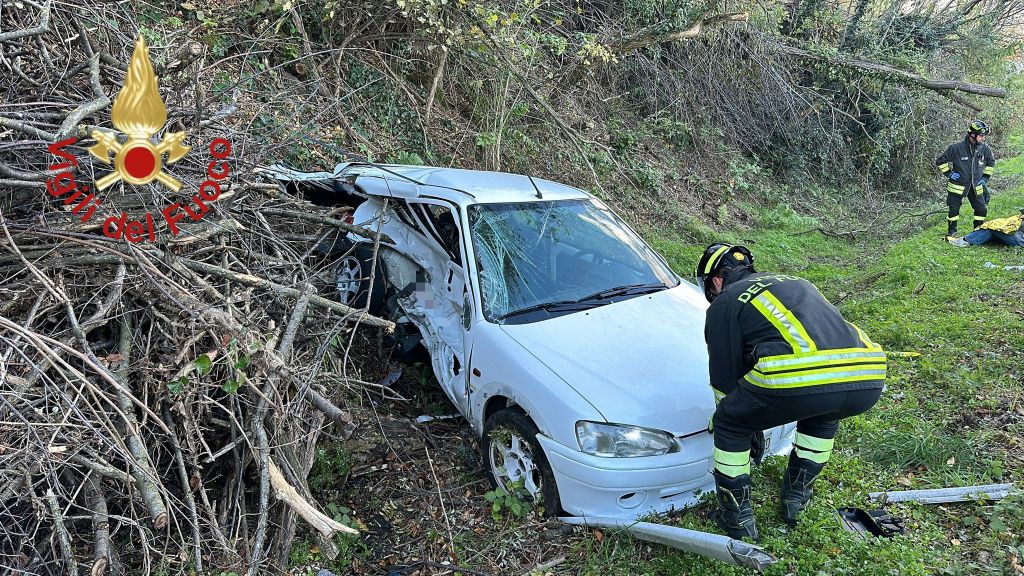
(621,441)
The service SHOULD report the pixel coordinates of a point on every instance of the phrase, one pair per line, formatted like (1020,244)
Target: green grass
(947,418)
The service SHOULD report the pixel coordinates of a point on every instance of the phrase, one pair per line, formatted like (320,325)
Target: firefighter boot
(796,486)
(734,514)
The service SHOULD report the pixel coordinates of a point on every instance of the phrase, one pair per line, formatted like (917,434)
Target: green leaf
(496,507)
(242,363)
(490,496)
(231,386)
(204,363)
(176,386)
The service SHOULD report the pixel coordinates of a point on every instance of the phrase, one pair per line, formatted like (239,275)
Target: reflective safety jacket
(1005,225)
(971,161)
(777,334)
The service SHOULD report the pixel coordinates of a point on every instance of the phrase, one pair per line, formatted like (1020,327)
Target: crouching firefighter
(779,352)
(968,165)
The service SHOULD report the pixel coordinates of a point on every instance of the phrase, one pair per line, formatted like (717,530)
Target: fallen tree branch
(327,221)
(100,524)
(894,72)
(650,37)
(287,493)
(62,533)
(258,282)
(145,475)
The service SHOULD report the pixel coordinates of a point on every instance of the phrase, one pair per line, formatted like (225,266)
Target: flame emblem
(139,112)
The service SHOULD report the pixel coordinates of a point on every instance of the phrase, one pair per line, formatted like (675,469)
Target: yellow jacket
(1005,225)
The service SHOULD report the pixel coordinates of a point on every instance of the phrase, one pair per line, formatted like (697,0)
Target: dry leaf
(599,536)
(951,461)
(955,542)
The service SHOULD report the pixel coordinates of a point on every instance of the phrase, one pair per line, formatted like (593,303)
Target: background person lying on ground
(1009,231)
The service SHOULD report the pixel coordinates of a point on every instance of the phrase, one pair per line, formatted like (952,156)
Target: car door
(442,297)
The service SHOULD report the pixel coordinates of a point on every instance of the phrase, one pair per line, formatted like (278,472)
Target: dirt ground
(417,491)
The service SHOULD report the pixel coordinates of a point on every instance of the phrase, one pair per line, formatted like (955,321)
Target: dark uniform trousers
(979,203)
(744,411)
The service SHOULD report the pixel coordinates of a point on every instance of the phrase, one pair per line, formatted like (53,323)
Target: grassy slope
(952,416)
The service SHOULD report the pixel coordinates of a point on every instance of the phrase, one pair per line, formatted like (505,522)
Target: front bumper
(629,488)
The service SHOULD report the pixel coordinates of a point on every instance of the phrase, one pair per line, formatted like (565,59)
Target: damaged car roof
(455,184)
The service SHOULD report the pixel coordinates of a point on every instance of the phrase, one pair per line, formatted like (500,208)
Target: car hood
(641,361)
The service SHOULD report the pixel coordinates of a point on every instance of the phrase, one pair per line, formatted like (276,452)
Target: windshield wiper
(628,289)
(559,305)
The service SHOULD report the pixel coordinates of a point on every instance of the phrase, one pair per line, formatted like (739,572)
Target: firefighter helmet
(717,257)
(979,127)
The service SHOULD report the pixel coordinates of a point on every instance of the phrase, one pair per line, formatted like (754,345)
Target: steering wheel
(597,259)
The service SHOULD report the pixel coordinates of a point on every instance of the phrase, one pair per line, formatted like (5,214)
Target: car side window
(405,215)
(441,222)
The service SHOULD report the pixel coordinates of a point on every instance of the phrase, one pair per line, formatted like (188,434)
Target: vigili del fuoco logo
(139,114)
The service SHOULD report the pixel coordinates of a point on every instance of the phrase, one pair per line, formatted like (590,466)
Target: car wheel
(352,279)
(515,461)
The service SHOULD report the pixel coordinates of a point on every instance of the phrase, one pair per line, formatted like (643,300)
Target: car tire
(352,277)
(511,452)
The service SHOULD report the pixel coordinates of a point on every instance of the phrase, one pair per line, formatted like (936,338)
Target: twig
(99,103)
(440,497)
(312,217)
(434,84)
(284,348)
(186,490)
(100,525)
(545,566)
(30,130)
(62,533)
(145,476)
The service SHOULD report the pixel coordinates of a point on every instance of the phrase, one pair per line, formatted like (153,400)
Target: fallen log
(941,86)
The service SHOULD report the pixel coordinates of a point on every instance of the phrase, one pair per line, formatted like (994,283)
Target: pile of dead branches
(159,400)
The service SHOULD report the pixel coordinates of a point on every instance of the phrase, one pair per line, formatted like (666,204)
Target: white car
(567,343)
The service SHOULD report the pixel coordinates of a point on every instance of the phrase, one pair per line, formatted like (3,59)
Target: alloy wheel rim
(512,461)
(350,274)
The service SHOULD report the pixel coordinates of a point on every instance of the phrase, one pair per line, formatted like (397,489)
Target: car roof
(457,185)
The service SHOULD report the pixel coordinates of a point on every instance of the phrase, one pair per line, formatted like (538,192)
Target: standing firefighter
(968,165)
(779,352)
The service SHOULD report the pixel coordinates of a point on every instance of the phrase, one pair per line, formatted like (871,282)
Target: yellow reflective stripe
(944,166)
(827,371)
(784,321)
(864,337)
(955,186)
(820,377)
(988,170)
(732,463)
(954,189)
(819,457)
(772,359)
(953,218)
(718,394)
(714,258)
(816,361)
(979,218)
(814,443)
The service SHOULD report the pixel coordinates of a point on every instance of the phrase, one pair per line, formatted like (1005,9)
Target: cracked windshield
(552,256)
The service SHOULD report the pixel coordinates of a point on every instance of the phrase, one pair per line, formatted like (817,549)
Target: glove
(757,447)
(955,176)
(983,182)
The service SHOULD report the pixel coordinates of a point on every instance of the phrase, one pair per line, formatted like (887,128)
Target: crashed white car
(568,344)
